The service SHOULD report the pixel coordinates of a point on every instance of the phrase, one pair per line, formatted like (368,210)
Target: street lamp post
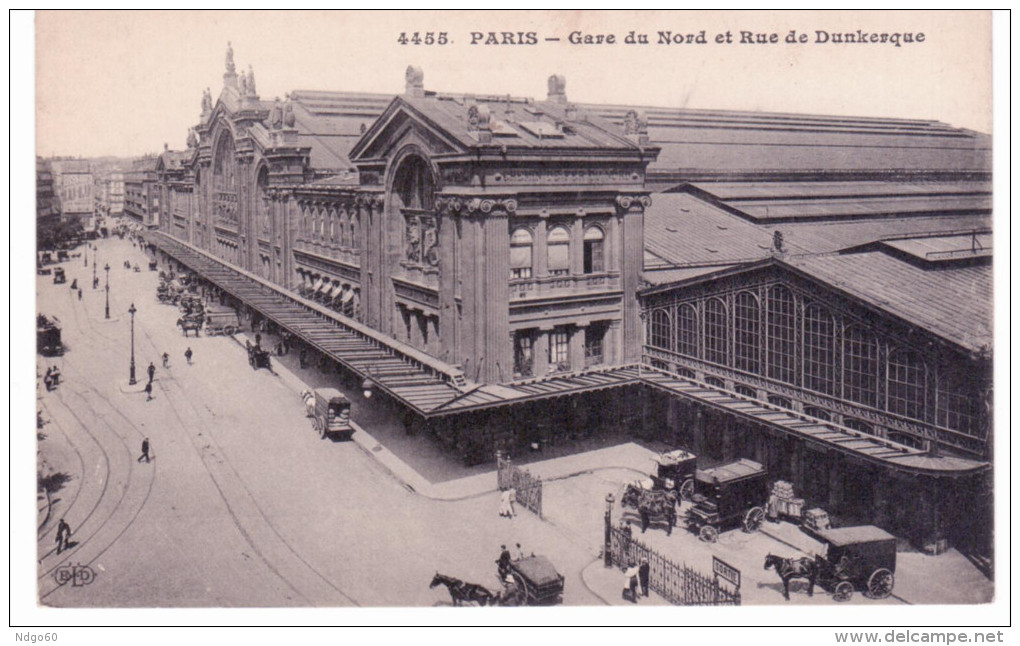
(131,376)
(95,263)
(107,268)
(607,548)
(86,255)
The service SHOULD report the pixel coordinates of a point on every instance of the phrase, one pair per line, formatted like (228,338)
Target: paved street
(244,505)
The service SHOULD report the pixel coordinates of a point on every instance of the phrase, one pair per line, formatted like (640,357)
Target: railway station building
(808,291)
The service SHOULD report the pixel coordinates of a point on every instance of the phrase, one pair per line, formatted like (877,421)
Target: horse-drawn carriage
(221,320)
(726,496)
(536,583)
(331,415)
(857,558)
(676,470)
(258,357)
(59,277)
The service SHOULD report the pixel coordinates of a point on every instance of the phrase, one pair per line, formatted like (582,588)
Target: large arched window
(717,332)
(658,332)
(355,230)
(345,229)
(746,329)
(782,344)
(558,251)
(521,243)
(860,366)
(819,350)
(687,331)
(957,405)
(905,378)
(594,240)
(224,164)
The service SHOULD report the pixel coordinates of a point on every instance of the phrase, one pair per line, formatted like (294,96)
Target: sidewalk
(624,456)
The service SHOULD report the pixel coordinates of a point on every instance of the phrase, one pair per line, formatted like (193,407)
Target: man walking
(79,293)
(166,360)
(148,391)
(503,562)
(187,355)
(145,450)
(643,571)
(63,535)
(152,371)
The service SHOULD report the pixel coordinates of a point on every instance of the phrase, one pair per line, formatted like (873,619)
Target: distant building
(47,203)
(73,182)
(141,195)
(115,195)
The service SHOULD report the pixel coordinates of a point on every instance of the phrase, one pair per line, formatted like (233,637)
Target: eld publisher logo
(76,575)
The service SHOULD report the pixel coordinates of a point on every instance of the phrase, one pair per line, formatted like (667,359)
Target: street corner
(607,583)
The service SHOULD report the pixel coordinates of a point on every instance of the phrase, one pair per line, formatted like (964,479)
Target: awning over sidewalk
(870,448)
(403,373)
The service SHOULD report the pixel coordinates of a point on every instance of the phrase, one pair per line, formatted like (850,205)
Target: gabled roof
(517,124)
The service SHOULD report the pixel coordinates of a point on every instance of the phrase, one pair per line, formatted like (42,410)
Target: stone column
(496,297)
(577,337)
(613,245)
(611,344)
(631,210)
(541,259)
(577,245)
(541,352)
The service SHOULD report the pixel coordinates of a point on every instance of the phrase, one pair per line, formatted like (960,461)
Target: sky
(119,83)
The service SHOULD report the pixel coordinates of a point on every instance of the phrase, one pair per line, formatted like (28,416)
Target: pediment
(395,125)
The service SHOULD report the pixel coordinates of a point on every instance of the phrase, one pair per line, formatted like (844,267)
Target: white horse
(308,397)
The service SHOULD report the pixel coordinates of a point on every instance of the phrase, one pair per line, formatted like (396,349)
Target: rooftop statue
(288,113)
(276,115)
(251,82)
(230,58)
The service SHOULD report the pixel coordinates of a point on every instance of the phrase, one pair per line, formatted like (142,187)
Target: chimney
(557,89)
(414,80)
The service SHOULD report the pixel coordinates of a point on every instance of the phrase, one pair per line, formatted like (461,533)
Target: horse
(308,397)
(189,324)
(461,591)
(794,568)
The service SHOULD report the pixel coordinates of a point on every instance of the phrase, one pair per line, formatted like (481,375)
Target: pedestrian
(48,380)
(506,508)
(644,518)
(630,582)
(166,360)
(63,535)
(79,293)
(152,371)
(148,391)
(520,552)
(145,450)
(56,376)
(303,358)
(187,355)
(503,562)
(643,571)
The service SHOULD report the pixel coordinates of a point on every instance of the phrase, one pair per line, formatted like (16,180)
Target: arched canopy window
(781,335)
(746,328)
(906,384)
(687,331)
(717,332)
(957,405)
(594,240)
(819,350)
(345,229)
(860,366)
(658,332)
(414,185)
(355,230)
(558,251)
(223,163)
(521,243)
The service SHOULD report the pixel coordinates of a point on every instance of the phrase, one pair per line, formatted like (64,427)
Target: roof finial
(230,59)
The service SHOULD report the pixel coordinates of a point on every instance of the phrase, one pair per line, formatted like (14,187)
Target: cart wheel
(687,490)
(843,592)
(322,431)
(880,584)
(708,534)
(522,590)
(753,519)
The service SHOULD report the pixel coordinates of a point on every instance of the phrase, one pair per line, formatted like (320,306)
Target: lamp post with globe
(131,377)
(107,268)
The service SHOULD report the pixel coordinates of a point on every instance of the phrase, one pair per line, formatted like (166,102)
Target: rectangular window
(559,349)
(593,352)
(524,361)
